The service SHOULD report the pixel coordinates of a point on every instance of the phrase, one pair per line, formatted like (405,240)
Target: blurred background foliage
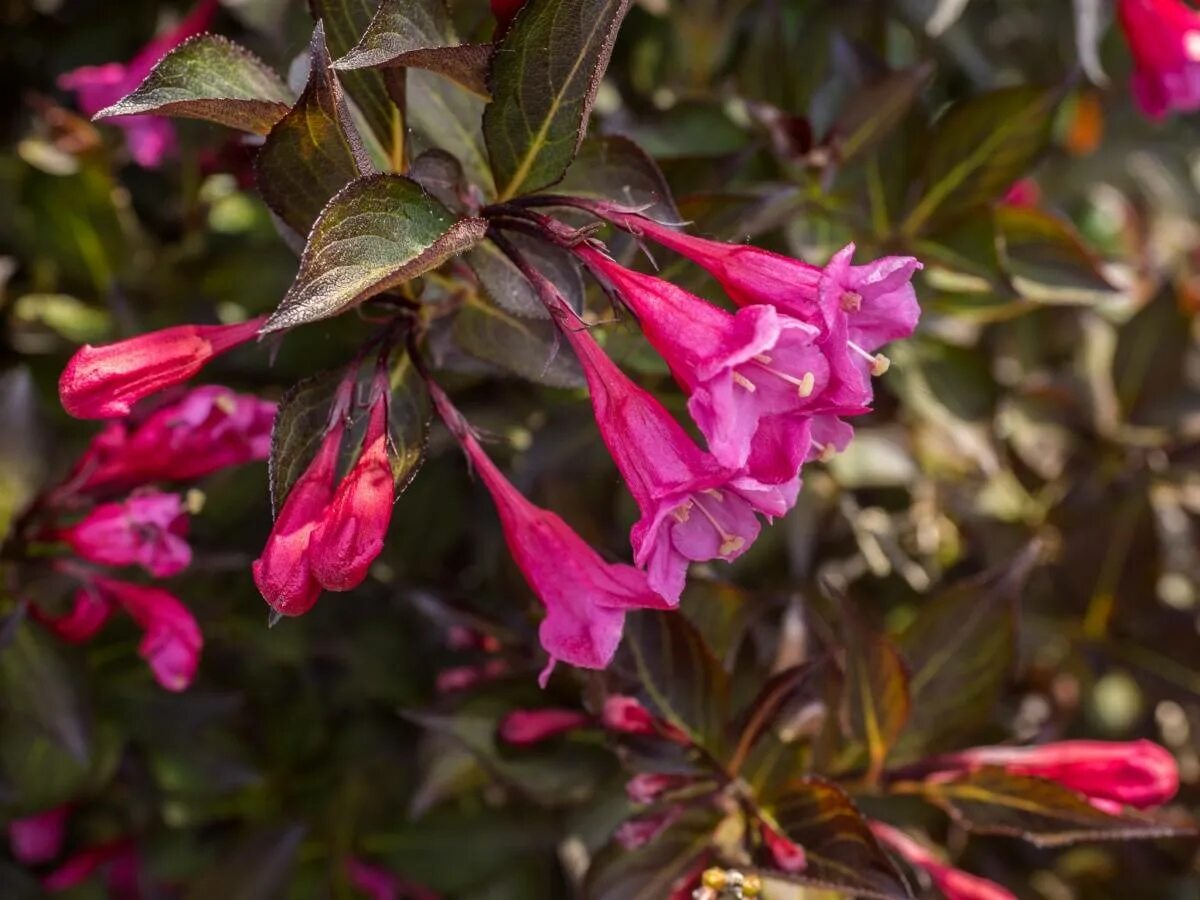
(1051,392)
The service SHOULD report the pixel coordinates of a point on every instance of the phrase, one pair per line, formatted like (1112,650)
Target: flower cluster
(205,430)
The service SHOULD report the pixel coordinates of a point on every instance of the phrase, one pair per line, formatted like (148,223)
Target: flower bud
(525,727)
(38,838)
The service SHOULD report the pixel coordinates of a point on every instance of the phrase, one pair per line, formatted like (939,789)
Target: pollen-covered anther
(851,301)
(806,385)
(880,365)
(743,382)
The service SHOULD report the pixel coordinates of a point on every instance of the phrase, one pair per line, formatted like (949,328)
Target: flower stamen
(742,381)
(879,363)
(730,543)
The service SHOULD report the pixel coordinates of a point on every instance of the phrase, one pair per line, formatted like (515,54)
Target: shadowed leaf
(259,866)
(530,348)
(611,167)
(509,289)
(683,681)
(1047,259)
(22,446)
(544,79)
(375,234)
(211,78)
(842,853)
(314,151)
(877,108)
(991,801)
(409,414)
(448,117)
(876,702)
(297,432)
(405,33)
(37,691)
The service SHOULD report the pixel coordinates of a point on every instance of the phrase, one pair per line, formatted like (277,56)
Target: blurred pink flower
(1164,38)
(584,596)
(353,527)
(1135,773)
(380,884)
(89,611)
(121,859)
(646,787)
(525,727)
(788,855)
(147,529)
(634,833)
(38,838)
(150,138)
(105,382)
(954,883)
(171,639)
(625,715)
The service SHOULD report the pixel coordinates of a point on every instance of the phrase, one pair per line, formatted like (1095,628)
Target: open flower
(148,529)
(738,369)
(584,596)
(1164,38)
(171,639)
(1134,773)
(151,138)
(105,382)
(283,573)
(954,883)
(353,527)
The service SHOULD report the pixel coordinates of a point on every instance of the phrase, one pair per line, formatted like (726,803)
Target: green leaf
(445,116)
(683,681)
(611,167)
(991,801)
(345,22)
(530,348)
(651,872)
(877,108)
(43,774)
(544,79)
(960,651)
(765,757)
(37,691)
(375,234)
(842,853)
(876,702)
(314,151)
(211,78)
(978,149)
(22,447)
(1047,259)
(299,426)
(258,866)
(409,415)
(510,290)
(419,35)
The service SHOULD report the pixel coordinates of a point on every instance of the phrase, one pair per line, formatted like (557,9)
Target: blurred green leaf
(1046,258)
(876,702)
(38,691)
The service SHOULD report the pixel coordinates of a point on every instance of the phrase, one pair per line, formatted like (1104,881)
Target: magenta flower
(380,884)
(1135,773)
(38,838)
(526,727)
(119,858)
(283,572)
(210,428)
(738,369)
(955,884)
(105,382)
(584,596)
(89,611)
(352,529)
(171,639)
(148,529)
(625,715)
(693,508)
(1164,38)
(785,853)
(150,138)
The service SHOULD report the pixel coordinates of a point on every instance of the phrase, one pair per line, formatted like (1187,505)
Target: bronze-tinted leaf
(611,167)
(876,702)
(991,801)
(375,234)
(211,78)
(1046,258)
(314,151)
(544,79)
(842,853)
(509,289)
(652,872)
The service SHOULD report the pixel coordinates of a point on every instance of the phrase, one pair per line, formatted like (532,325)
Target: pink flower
(147,529)
(1024,192)
(787,855)
(1135,773)
(88,614)
(646,787)
(525,727)
(876,301)
(150,138)
(585,597)
(1164,38)
(352,529)
(625,715)
(210,428)
(634,833)
(283,573)
(38,838)
(954,883)
(380,884)
(105,382)
(121,859)
(738,369)
(171,639)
